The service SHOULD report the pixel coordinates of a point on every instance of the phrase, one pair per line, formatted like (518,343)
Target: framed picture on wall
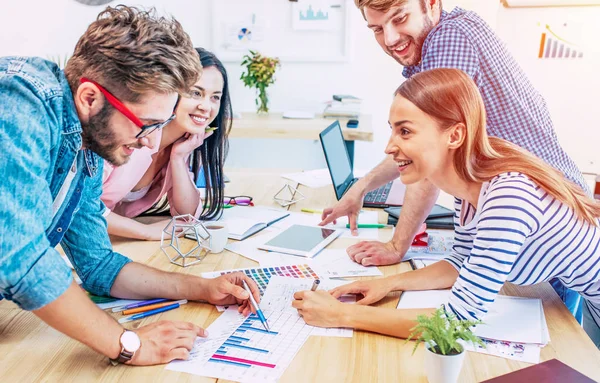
(302,30)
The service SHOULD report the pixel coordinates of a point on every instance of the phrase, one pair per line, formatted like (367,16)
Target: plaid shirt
(516,112)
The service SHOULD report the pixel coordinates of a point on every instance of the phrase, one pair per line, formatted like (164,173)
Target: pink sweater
(119,181)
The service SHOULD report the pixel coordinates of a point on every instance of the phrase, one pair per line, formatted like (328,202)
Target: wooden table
(273,125)
(32,351)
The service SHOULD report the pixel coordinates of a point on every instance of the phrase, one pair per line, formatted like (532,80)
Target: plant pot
(442,368)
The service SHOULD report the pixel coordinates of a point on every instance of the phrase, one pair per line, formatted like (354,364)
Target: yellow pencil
(312,211)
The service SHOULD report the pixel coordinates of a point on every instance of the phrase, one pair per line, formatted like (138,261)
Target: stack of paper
(514,328)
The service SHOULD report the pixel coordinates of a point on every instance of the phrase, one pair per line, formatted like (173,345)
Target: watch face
(130,341)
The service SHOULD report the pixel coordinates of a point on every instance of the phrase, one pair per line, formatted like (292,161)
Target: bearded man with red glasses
(121,84)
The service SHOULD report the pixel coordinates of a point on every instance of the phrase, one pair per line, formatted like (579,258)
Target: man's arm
(74,314)
(105,272)
(352,201)
(418,201)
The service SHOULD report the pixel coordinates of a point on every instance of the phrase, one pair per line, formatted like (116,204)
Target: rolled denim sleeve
(32,274)
(86,242)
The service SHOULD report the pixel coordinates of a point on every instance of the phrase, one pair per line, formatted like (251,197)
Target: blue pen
(259,312)
(148,313)
(139,304)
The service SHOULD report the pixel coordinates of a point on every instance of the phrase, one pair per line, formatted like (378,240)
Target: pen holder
(172,246)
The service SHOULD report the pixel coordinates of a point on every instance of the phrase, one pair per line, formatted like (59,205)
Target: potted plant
(444,354)
(259,74)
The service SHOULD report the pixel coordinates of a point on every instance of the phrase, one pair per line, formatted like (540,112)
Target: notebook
(439,217)
(550,371)
(244,221)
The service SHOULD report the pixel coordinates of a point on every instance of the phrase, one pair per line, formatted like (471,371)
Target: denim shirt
(40,150)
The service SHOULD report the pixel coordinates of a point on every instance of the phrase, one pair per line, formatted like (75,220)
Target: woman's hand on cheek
(319,308)
(187,143)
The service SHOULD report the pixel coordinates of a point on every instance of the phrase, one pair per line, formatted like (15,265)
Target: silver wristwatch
(130,343)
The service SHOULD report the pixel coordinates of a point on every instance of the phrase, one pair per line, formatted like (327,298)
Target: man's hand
(349,205)
(319,308)
(372,291)
(165,341)
(227,290)
(369,253)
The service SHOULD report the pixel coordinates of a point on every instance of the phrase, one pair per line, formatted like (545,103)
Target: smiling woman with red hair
(517,218)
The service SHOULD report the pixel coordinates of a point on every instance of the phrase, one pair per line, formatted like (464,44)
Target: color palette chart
(262,275)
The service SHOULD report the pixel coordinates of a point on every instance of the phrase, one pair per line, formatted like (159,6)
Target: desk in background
(32,351)
(273,125)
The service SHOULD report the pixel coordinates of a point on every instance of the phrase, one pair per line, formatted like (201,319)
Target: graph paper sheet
(239,348)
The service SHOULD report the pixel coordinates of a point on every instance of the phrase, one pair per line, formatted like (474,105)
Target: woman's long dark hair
(210,156)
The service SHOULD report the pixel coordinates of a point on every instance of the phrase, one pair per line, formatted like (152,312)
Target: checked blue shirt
(516,112)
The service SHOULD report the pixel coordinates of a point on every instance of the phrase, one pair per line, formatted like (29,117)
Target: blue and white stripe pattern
(520,234)
(515,110)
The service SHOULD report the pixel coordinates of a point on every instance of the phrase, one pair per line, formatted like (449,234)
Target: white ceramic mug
(218,236)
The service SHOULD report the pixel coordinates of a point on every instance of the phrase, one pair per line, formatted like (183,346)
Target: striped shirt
(515,110)
(520,234)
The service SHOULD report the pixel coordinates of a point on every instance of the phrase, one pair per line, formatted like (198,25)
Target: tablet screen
(300,238)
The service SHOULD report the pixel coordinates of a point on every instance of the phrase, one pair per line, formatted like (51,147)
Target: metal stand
(285,195)
(176,229)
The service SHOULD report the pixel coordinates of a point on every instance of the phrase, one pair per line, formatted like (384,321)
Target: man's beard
(418,43)
(99,138)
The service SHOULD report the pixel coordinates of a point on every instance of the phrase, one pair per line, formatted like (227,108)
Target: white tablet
(305,241)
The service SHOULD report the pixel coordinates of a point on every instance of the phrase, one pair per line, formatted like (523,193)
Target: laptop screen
(337,158)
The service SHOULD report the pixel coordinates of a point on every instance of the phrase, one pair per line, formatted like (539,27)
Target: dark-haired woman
(159,177)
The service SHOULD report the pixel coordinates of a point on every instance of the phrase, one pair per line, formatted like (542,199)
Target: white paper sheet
(426,299)
(280,294)
(335,263)
(239,349)
(523,352)
(511,319)
(311,178)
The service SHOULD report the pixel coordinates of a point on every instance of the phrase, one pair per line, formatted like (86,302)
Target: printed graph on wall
(555,46)
(317,15)
(305,30)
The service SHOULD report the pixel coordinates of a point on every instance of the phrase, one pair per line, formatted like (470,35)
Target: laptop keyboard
(379,195)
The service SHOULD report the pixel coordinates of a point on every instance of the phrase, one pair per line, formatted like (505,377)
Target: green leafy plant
(259,74)
(442,330)
(59,60)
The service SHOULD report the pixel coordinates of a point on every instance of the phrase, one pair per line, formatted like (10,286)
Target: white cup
(218,236)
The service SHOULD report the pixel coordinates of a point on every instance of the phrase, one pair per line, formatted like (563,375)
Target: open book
(243,221)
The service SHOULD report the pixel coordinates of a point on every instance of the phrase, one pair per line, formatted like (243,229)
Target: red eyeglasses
(146,129)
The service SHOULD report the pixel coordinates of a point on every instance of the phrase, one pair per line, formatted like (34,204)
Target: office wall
(569,86)
(29,27)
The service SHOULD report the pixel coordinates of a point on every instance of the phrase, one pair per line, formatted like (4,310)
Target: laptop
(342,176)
